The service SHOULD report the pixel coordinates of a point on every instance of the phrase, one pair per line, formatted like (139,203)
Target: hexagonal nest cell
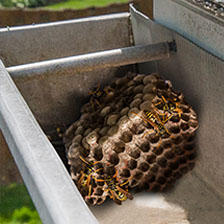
(138,133)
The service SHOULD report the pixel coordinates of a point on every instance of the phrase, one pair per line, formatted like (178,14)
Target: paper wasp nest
(140,129)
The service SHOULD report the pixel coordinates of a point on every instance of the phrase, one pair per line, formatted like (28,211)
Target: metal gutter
(192,22)
(54,194)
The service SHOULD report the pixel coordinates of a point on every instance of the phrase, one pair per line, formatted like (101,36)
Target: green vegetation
(69,4)
(22,3)
(16,206)
(81,4)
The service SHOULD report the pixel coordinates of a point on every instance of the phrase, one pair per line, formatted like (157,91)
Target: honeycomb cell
(192,156)
(166,144)
(177,140)
(138,175)
(188,147)
(98,154)
(119,147)
(183,169)
(161,180)
(114,159)
(153,138)
(175,118)
(167,172)
(173,165)
(174,129)
(184,126)
(112,120)
(178,151)
(151,158)
(83,151)
(161,161)
(135,103)
(138,96)
(135,153)
(169,154)
(154,168)
(138,78)
(157,150)
(182,160)
(125,173)
(132,164)
(145,146)
(99,191)
(126,137)
(177,175)
(144,167)
(185,117)
(138,89)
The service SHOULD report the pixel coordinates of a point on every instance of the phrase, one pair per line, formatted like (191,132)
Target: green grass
(16,206)
(81,4)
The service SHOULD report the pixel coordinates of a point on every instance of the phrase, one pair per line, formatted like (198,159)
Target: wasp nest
(136,133)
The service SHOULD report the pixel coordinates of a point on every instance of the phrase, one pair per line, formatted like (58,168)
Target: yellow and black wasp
(168,106)
(97,94)
(153,119)
(87,175)
(117,193)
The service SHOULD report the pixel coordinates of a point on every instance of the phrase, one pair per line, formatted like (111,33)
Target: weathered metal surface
(39,42)
(56,100)
(192,22)
(199,75)
(92,61)
(50,186)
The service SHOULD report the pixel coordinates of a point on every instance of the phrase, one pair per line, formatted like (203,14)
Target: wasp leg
(97,102)
(88,180)
(148,132)
(115,199)
(90,189)
(98,87)
(115,175)
(92,103)
(159,144)
(106,90)
(144,119)
(81,178)
(85,161)
(165,118)
(164,99)
(126,181)
(99,180)
(179,111)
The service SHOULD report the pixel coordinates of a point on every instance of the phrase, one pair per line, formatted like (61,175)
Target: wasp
(96,94)
(153,119)
(169,106)
(117,193)
(86,177)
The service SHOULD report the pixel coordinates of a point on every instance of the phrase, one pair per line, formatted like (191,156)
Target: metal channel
(199,76)
(94,61)
(55,196)
(192,22)
(40,42)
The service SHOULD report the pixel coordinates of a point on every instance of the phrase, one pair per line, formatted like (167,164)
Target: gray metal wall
(56,100)
(199,75)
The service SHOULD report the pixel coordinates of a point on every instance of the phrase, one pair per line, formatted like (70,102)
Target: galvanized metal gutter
(94,61)
(54,194)
(194,23)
